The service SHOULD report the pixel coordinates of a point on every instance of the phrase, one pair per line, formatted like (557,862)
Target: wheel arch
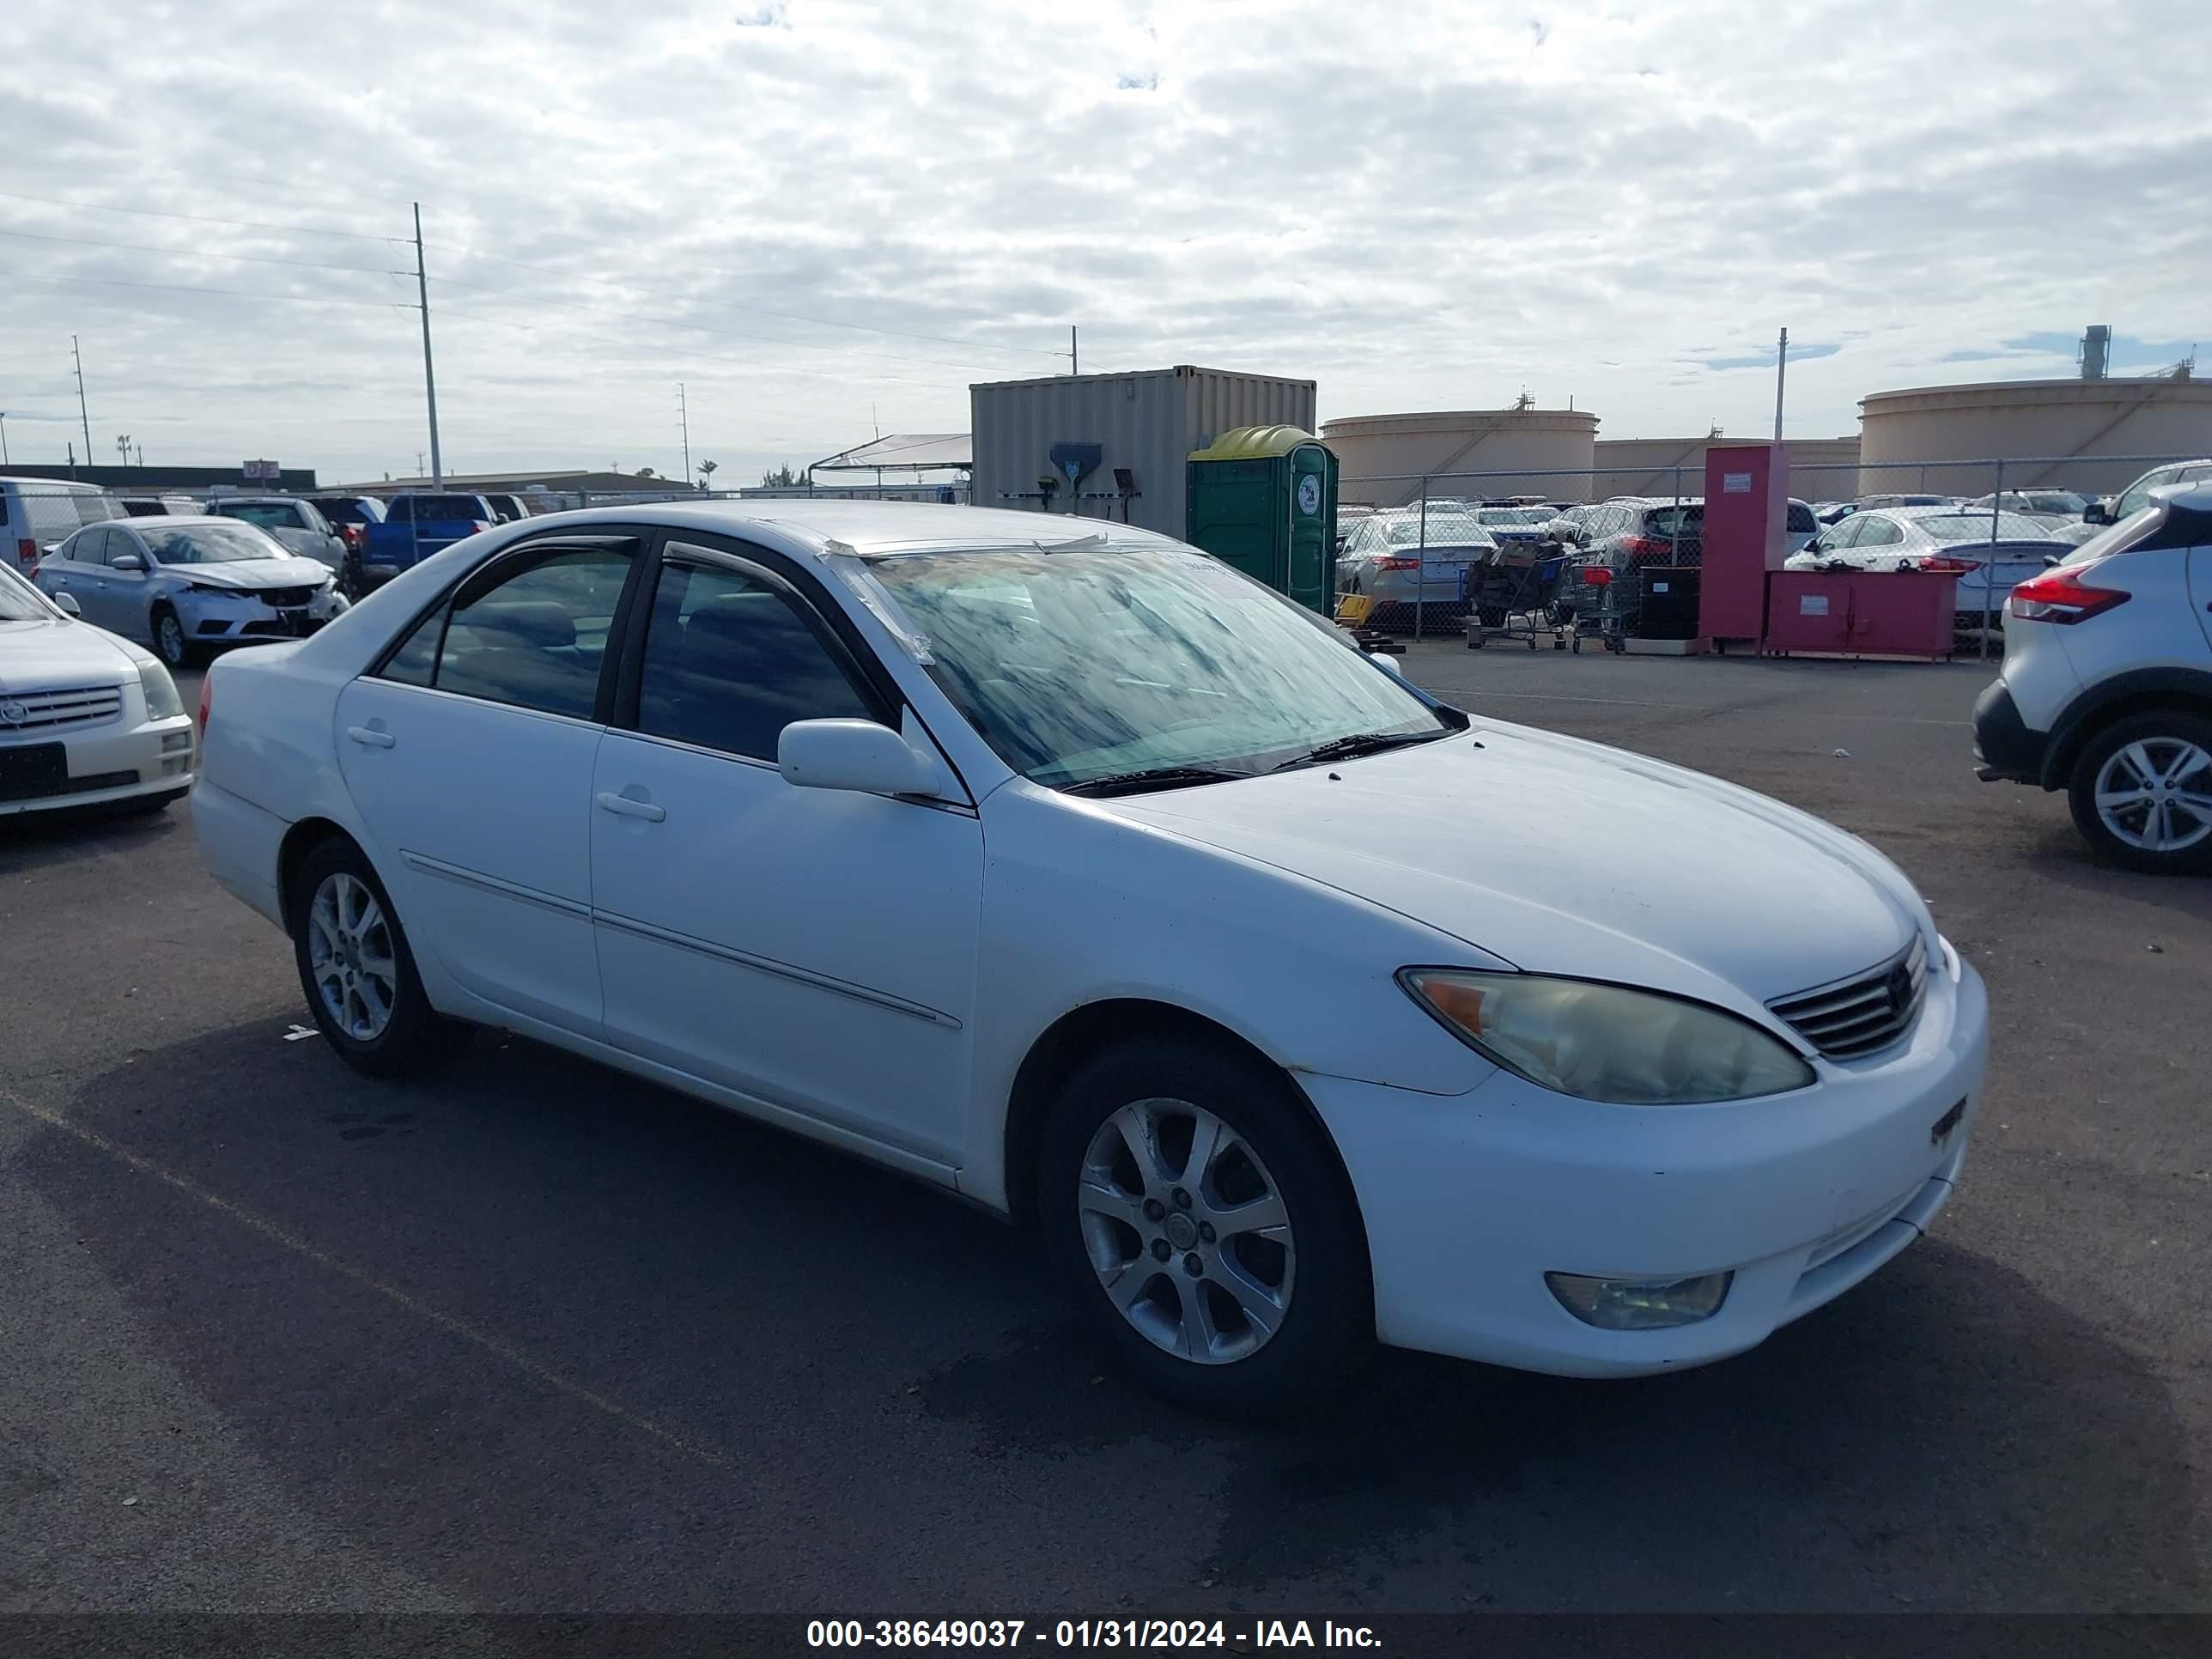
(302,839)
(1083,1032)
(2143,691)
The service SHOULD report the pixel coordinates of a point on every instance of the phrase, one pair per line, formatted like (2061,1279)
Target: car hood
(43,655)
(1564,857)
(254,573)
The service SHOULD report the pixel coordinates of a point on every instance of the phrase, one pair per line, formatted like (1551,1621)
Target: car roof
(52,483)
(171,521)
(817,529)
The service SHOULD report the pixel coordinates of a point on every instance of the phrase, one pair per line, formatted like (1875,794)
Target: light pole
(3,437)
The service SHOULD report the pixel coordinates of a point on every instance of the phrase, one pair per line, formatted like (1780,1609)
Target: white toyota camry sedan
(1061,864)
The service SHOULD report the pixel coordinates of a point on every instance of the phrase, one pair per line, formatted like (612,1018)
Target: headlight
(163,701)
(1606,1042)
(209,587)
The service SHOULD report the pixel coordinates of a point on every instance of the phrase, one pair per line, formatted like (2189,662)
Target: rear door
(469,751)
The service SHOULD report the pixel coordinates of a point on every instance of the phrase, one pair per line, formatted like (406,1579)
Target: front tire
(2141,792)
(358,972)
(171,644)
(1196,1213)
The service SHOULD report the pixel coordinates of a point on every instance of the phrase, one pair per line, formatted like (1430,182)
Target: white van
(35,514)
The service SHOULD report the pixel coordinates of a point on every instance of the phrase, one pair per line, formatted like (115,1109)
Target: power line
(196,218)
(197,254)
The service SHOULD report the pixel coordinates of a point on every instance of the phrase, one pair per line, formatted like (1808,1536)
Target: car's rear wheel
(357,970)
(2141,792)
(1197,1212)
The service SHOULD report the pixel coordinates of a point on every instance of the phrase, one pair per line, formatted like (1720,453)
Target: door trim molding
(866,993)
(430,866)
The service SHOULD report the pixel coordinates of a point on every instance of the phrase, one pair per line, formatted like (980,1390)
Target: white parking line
(476,1337)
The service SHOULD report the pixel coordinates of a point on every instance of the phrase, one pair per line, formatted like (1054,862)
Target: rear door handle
(624,807)
(369,737)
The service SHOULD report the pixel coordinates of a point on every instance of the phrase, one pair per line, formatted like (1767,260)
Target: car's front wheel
(2141,792)
(358,971)
(1197,1212)
(171,643)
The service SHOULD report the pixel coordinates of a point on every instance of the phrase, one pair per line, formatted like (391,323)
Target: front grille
(24,711)
(284,598)
(1864,1014)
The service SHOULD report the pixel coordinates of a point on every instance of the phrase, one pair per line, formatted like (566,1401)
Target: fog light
(1633,1304)
(173,741)
(172,764)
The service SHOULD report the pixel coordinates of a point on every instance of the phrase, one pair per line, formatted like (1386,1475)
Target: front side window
(1087,663)
(731,659)
(210,543)
(535,640)
(2138,496)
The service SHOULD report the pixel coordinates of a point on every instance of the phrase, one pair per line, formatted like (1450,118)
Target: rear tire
(2141,792)
(357,971)
(1267,1224)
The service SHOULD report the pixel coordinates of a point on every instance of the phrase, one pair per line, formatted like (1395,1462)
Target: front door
(469,753)
(811,948)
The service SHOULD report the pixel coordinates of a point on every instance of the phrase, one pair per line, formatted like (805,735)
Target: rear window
(1801,521)
(423,509)
(1689,520)
(1975,527)
(344,511)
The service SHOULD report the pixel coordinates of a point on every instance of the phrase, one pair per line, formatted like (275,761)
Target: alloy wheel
(1186,1231)
(350,956)
(169,634)
(2156,794)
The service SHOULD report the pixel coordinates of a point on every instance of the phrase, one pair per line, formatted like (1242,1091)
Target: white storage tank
(1528,452)
(1820,469)
(2077,420)
(1143,424)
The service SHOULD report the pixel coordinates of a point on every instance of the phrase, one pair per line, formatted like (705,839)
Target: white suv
(2106,691)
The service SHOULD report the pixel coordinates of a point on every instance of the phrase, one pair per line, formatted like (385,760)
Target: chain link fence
(1412,546)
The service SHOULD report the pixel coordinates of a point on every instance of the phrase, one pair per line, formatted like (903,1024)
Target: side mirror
(2097,512)
(860,755)
(66,603)
(126,562)
(2049,560)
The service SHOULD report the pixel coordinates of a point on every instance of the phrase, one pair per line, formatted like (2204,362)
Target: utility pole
(1074,361)
(683,420)
(429,378)
(80,415)
(4,438)
(140,448)
(123,446)
(1781,367)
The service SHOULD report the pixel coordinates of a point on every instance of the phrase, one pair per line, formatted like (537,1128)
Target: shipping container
(1116,445)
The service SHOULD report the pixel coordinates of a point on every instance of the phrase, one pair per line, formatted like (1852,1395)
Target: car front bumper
(214,618)
(125,759)
(1470,1200)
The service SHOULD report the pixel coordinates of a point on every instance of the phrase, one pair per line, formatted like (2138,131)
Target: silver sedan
(183,585)
(1990,559)
(1398,557)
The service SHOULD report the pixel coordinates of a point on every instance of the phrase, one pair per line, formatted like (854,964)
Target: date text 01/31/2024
(1140,1633)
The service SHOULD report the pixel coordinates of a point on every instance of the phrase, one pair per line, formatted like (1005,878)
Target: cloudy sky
(821,216)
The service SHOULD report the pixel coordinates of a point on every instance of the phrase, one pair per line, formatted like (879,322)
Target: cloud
(805,209)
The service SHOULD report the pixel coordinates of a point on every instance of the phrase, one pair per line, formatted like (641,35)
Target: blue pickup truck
(415,527)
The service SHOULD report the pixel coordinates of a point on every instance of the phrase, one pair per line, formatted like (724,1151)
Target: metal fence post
(1421,567)
(1990,569)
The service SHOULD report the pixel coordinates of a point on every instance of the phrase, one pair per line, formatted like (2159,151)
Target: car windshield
(1091,662)
(1975,527)
(210,543)
(20,601)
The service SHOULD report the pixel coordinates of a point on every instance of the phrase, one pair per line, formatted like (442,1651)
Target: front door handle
(369,737)
(627,807)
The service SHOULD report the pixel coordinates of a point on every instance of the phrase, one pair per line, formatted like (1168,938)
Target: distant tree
(645,472)
(707,474)
(782,478)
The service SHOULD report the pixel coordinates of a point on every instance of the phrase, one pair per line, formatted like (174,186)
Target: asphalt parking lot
(532,1336)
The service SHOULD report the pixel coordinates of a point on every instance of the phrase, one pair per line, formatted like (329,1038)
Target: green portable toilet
(1263,498)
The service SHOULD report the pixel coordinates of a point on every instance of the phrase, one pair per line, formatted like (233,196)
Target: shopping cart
(1520,602)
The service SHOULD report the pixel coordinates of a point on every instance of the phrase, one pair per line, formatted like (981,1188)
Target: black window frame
(821,613)
(516,560)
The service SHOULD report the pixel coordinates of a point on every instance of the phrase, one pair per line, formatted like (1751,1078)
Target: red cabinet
(1898,613)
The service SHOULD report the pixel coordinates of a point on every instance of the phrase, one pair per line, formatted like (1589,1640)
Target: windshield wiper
(1151,777)
(1359,743)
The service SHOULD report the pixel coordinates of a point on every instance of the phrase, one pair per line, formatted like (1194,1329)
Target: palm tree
(706,475)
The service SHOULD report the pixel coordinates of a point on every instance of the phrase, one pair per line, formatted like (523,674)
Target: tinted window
(344,511)
(416,662)
(1878,533)
(87,547)
(537,638)
(1801,521)
(426,509)
(267,514)
(731,659)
